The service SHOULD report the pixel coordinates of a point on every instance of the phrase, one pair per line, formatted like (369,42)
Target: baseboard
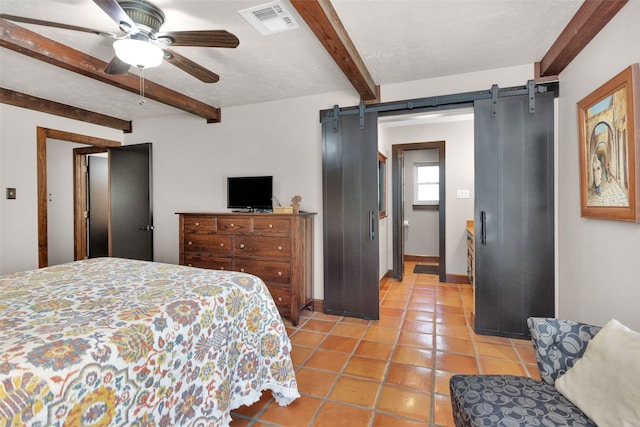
(318,305)
(458,278)
(422,258)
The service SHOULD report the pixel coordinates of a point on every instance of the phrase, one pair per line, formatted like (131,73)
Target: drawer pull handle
(270,225)
(221,268)
(279,299)
(242,270)
(189,243)
(222,245)
(241,245)
(189,265)
(279,248)
(279,273)
(232,224)
(197,224)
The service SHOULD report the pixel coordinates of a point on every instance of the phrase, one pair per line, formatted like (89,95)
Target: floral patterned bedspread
(111,341)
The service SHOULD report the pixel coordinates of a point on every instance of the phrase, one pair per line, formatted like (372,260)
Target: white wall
(19,218)
(459,174)
(385,225)
(60,230)
(191,160)
(598,259)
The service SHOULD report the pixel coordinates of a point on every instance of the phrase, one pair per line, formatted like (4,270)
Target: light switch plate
(11,193)
(462,194)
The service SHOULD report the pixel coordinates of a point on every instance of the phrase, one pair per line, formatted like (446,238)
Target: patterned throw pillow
(558,344)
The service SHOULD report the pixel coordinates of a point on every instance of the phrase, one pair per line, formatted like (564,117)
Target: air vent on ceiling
(270,18)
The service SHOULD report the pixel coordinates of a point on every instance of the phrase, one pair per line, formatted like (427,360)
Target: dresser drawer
(199,225)
(204,260)
(282,298)
(215,244)
(233,225)
(272,226)
(268,271)
(263,246)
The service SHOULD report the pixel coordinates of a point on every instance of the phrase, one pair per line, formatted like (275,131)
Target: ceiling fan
(141,43)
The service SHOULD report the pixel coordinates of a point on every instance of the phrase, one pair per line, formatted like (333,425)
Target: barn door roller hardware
(445,102)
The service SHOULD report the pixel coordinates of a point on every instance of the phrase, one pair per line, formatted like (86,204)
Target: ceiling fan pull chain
(142,101)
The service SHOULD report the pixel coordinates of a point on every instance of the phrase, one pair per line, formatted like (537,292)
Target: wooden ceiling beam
(19,99)
(29,43)
(590,18)
(326,25)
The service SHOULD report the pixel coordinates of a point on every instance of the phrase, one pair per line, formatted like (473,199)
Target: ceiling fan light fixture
(139,53)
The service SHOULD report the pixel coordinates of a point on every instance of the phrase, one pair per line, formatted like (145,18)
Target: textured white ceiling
(399,40)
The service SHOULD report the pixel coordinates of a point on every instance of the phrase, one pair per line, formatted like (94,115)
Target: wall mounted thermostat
(11,193)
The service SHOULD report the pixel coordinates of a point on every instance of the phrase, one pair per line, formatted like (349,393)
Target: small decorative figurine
(295,202)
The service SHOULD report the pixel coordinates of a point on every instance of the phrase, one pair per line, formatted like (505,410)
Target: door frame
(397,151)
(42,134)
(80,192)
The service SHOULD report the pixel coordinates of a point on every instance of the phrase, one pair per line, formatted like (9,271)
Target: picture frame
(609,149)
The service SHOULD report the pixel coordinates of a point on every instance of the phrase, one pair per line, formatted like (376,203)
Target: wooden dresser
(278,248)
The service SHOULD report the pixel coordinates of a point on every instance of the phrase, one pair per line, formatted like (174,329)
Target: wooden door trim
(80,198)
(42,134)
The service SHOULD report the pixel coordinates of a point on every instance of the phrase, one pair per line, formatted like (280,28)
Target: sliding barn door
(514,222)
(131,225)
(350,208)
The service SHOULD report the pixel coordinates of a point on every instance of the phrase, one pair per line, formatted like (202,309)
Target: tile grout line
(393,351)
(394,348)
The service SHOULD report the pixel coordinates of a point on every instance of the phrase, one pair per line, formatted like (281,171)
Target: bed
(112,341)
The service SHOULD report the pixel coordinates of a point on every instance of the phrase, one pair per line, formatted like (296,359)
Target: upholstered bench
(508,400)
(589,375)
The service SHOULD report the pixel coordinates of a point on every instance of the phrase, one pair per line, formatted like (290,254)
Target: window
(426,183)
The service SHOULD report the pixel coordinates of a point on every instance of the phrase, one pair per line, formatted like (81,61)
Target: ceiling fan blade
(203,38)
(117,13)
(188,66)
(117,66)
(54,24)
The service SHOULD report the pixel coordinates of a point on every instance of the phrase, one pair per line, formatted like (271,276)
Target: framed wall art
(608,122)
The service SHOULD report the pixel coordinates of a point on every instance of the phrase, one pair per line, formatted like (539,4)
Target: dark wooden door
(131,225)
(97,206)
(350,210)
(514,222)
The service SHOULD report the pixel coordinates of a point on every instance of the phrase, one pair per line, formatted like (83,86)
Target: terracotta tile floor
(392,372)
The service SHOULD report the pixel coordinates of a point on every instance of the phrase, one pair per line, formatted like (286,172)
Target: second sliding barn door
(514,221)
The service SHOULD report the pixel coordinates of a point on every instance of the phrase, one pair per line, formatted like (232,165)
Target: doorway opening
(420,222)
(42,135)
(431,231)
(91,207)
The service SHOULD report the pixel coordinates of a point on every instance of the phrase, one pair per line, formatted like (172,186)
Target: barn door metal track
(444,102)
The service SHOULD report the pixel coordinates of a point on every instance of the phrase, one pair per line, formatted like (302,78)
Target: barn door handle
(372,233)
(483,228)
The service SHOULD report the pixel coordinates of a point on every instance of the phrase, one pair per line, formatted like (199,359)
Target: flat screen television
(250,192)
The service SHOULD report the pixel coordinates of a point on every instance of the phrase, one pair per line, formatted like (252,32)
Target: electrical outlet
(11,193)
